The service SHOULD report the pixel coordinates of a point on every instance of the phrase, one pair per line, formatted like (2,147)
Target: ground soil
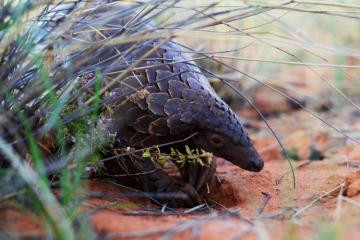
(324,204)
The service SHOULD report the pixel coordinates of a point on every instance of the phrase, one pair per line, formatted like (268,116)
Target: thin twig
(312,203)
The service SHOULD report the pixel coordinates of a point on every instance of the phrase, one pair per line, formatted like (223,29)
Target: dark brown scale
(176,88)
(156,103)
(133,114)
(162,80)
(152,89)
(173,106)
(142,123)
(159,127)
(136,139)
(142,104)
(151,75)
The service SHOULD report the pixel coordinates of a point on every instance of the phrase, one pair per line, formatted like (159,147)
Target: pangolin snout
(246,157)
(251,158)
(243,155)
(255,165)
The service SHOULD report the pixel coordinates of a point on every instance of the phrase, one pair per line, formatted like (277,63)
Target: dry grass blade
(317,199)
(61,224)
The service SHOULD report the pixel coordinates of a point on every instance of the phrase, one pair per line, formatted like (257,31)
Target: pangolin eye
(216,140)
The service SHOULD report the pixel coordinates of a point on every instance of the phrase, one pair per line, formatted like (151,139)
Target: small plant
(191,156)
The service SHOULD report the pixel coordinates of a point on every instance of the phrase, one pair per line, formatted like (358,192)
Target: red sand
(263,204)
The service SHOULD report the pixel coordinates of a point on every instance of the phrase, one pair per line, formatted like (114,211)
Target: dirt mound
(352,183)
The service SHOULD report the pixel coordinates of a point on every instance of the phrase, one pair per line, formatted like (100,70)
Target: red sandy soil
(245,205)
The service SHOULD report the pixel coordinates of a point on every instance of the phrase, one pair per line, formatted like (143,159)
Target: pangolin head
(244,156)
(221,132)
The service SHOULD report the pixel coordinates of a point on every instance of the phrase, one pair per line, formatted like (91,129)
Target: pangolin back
(157,92)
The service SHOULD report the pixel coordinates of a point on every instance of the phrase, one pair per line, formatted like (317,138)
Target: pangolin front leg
(148,175)
(199,175)
(155,179)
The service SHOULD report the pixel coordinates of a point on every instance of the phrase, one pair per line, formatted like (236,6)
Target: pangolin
(155,93)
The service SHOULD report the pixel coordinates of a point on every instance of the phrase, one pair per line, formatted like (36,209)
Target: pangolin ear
(217,140)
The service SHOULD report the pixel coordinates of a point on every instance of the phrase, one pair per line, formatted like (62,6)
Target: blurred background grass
(292,46)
